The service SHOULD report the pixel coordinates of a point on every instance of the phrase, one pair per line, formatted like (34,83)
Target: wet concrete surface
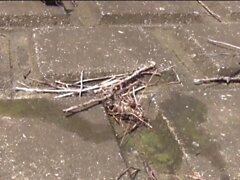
(195,128)
(206,124)
(39,142)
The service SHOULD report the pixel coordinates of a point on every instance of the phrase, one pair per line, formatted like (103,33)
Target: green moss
(158,147)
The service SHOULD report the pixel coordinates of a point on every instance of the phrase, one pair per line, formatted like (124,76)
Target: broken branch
(223,44)
(223,79)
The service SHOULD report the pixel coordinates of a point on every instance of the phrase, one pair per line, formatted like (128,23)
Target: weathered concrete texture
(228,11)
(199,56)
(85,13)
(150,12)
(16,54)
(5,71)
(20,55)
(207,124)
(31,14)
(98,51)
(38,142)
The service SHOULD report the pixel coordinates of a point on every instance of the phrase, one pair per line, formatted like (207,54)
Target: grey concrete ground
(102,38)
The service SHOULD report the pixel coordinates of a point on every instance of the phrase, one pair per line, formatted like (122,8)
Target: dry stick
(88,103)
(99,78)
(134,96)
(223,43)
(140,119)
(136,170)
(63,83)
(23,84)
(100,85)
(37,90)
(134,74)
(148,83)
(196,176)
(137,72)
(69,90)
(124,134)
(214,15)
(64,95)
(150,172)
(223,79)
(44,82)
(81,84)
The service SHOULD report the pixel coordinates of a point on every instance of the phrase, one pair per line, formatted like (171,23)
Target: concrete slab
(207,124)
(85,13)
(38,142)
(31,14)
(16,54)
(65,52)
(5,70)
(229,11)
(196,54)
(150,12)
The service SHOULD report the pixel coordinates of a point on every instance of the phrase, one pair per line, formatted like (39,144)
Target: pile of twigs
(117,93)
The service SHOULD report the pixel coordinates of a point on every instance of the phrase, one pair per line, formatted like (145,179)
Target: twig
(151,173)
(23,84)
(44,82)
(117,93)
(64,95)
(195,176)
(148,83)
(223,79)
(137,72)
(214,15)
(89,103)
(81,84)
(68,90)
(99,78)
(124,134)
(223,43)
(47,90)
(136,170)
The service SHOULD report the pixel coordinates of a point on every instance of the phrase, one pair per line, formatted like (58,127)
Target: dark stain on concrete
(50,112)
(187,113)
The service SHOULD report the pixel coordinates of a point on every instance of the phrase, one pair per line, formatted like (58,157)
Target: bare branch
(223,44)
(222,79)
(214,15)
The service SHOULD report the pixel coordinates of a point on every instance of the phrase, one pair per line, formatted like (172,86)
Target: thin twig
(150,172)
(68,90)
(44,83)
(88,103)
(136,170)
(224,44)
(23,84)
(81,84)
(222,79)
(214,15)
(64,95)
(99,78)
(140,98)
